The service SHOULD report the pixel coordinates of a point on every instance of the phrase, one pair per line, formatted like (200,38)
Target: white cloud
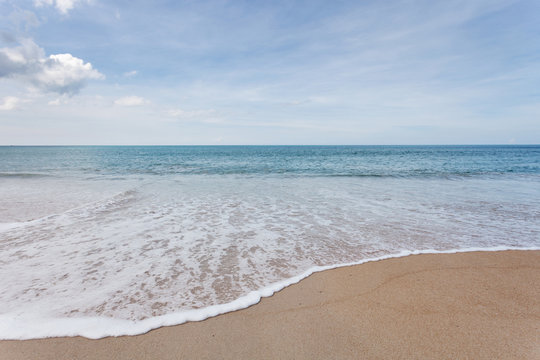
(60,73)
(190,114)
(22,19)
(131,73)
(65,73)
(55,102)
(58,101)
(130,101)
(9,103)
(207,116)
(64,6)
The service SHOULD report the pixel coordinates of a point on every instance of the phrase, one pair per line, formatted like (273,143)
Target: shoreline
(101,327)
(487,301)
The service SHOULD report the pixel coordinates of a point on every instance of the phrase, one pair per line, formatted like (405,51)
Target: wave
(118,198)
(278,172)
(330,173)
(32,326)
(23,175)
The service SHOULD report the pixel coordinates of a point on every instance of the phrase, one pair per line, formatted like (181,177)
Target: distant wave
(23,175)
(286,173)
(304,173)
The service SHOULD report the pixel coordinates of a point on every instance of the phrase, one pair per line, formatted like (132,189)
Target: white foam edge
(32,326)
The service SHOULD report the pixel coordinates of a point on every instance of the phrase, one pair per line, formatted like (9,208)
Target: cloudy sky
(269,72)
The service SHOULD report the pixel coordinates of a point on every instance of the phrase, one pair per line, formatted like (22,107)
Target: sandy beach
(479,305)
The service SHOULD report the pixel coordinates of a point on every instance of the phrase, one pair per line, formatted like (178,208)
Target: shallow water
(116,240)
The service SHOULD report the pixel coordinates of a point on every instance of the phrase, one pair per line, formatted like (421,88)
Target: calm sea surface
(117,240)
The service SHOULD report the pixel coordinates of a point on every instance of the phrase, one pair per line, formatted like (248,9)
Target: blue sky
(269,72)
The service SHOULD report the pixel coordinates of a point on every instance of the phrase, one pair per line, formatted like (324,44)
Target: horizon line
(231,145)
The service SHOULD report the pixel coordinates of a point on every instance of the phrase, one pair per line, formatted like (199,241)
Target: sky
(106,72)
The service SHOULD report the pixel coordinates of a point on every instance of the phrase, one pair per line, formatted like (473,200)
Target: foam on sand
(32,326)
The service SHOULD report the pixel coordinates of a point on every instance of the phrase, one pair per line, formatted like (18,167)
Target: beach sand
(479,305)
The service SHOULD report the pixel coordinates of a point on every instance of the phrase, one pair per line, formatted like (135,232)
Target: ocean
(117,240)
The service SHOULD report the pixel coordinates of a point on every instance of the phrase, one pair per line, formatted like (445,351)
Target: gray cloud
(60,73)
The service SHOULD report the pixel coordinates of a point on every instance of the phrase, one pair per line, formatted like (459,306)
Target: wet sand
(479,305)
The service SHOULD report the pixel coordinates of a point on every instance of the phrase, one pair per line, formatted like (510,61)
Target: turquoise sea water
(399,161)
(100,241)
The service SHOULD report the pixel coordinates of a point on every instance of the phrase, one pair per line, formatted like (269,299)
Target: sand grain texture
(480,305)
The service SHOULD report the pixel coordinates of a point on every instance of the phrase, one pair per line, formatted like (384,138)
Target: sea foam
(33,326)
